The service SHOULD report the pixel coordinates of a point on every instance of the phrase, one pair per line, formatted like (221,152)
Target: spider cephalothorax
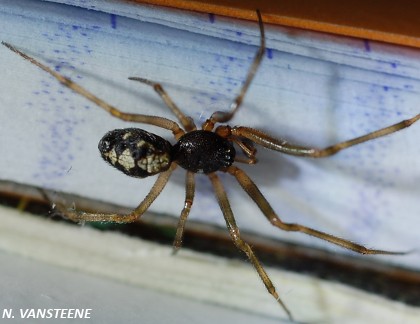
(140,154)
(203,151)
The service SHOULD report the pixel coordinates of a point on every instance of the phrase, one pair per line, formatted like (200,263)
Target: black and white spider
(208,150)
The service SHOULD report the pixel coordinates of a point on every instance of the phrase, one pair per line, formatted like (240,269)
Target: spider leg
(252,190)
(137,118)
(189,198)
(186,121)
(283,146)
(81,216)
(223,116)
(241,244)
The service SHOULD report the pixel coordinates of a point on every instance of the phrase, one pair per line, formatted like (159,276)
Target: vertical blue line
(113,21)
(212,17)
(367,45)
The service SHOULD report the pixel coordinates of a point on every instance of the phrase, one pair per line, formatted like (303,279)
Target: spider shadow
(145,94)
(271,167)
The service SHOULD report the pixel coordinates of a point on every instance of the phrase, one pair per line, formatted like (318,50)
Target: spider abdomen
(203,151)
(136,152)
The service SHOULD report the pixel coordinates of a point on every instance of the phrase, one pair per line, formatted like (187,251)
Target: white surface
(109,301)
(309,90)
(109,272)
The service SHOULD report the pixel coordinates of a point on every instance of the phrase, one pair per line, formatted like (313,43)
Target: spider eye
(136,152)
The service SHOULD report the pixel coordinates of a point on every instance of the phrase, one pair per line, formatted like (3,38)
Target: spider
(141,154)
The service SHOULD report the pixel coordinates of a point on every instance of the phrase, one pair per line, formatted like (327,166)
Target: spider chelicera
(139,153)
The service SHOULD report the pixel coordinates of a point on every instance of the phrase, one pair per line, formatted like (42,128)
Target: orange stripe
(396,22)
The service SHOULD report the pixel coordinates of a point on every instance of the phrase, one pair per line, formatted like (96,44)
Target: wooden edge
(389,22)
